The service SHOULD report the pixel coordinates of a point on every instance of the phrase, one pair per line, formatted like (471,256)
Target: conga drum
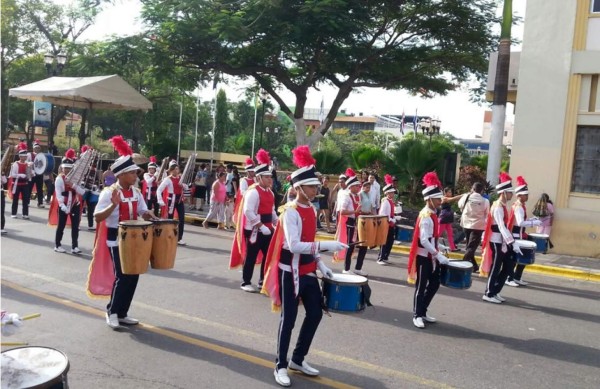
(164,244)
(383,226)
(135,245)
(34,367)
(367,230)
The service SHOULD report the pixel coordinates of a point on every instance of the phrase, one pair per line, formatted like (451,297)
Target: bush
(468,176)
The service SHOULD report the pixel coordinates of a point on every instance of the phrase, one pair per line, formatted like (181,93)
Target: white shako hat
(152,162)
(306,174)
(36,143)
(433,186)
(389,184)
(351,178)
(249,165)
(69,159)
(264,163)
(521,188)
(505,184)
(173,163)
(124,163)
(22,149)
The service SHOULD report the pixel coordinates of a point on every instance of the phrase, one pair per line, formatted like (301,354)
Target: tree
(424,46)
(221,121)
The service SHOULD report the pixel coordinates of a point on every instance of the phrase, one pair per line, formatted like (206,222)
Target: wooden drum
(383,227)
(135,245)
(367,230)
(164,244)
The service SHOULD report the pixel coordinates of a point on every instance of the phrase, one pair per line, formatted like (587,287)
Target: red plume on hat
(249,161)
(350,173)
(36,142)
(85,148)
(504,177)
(153,159)
(521,181)
(22,146)
(70,154)
(431,179)
(302,156)
(121,145)
(262,156)
(389,180)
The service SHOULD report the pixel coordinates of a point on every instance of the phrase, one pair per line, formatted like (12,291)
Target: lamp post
(430,127)
(263,96)
(179,137)
(273,131)
(54,70)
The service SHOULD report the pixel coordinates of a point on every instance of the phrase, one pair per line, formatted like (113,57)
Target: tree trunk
(82,134)
(500,96)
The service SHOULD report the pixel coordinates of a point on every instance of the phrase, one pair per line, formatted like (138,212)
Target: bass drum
(43,164)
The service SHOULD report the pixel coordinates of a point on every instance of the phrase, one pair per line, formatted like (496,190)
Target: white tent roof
(102,92)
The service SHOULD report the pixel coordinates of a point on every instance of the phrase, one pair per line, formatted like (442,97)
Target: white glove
(333,245)
(185,186)
(64,208)
(161,203)
(516,248)
(264,230)
(441,247)
(327,273)
(442,259)
(21,175)
(536,222)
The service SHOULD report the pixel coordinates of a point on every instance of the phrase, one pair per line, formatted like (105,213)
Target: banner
(42,114)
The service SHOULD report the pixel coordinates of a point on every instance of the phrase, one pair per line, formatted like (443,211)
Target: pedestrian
(498,244)
(517,222)
(218,195)
(375,192)
(291,273)
(21,173)
(200,184)
(425,259)
(447,217)
(3,203)
(388,209)
(474,208)
(324,201)
(119,202)
(544,209)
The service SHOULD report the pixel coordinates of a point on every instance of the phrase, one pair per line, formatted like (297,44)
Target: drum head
(539,236)
(460,264)
(348,278)
(370,216)
(166,221)
(135,223)
(26,367)
(43,163)
(526,243)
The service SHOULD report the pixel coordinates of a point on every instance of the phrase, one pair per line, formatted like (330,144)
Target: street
(200,330)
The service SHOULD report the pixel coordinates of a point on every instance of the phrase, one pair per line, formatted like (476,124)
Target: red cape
(486,250)
(341,235)
(412,257)
(53,213)
(101,273)
(238,249)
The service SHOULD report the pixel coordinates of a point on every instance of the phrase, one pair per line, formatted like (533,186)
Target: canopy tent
(102,92)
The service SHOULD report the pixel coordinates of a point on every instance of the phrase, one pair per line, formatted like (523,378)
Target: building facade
(556,143)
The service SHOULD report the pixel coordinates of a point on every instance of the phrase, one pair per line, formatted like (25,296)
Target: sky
(459,116)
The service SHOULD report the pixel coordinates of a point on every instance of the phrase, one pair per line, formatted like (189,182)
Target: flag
(322,111)
(415,121)
(402,123)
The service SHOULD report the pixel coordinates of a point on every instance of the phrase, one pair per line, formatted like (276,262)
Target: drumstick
(13,344)
(349,245)
(32,316)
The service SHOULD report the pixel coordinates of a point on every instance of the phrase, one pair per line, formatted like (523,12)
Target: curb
(536,269)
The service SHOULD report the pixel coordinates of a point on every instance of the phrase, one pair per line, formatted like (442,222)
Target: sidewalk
(580,268)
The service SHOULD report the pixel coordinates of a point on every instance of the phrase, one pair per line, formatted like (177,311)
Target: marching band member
(249,180)
(387,209)
(424,258)
(68,205)
(37,180)
(498,244)
(174,197)
(517,222)
(20,173)
(349,209)
(257,221)
(3,203)
(291,271)
(119,202)
(150,186)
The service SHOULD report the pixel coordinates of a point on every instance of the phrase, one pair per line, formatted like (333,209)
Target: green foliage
(370,158)
(222,126)
(469,175)
(330,162)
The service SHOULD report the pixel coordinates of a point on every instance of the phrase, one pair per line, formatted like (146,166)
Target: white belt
(496,237)
(288,269)
(422,252)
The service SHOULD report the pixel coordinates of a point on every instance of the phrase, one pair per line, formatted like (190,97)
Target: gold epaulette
(425,213)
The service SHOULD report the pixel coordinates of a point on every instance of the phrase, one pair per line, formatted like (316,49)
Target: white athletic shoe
(249,288)
(182,243)
(304,368)
(502,299)
(346,272)
(360,272)
(491,299)
(129,321)
(75,250)
(282,377)
(112,321)
(511,283)
(521,282)
(418,322)
(429,319)
(59,249)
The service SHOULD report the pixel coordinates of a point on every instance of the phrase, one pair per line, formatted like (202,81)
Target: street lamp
(61,60)
(274,131)
(179,137)
(263,96)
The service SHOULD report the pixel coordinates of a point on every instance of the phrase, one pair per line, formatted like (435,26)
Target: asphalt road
(199,330)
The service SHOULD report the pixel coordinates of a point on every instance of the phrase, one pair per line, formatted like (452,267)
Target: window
(595,5)
(586,169)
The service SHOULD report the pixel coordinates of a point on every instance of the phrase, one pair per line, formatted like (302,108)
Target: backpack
(540,209)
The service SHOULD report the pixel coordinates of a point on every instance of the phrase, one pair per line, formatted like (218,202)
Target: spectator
(544,209)
(375,192)
(475,209)
(200,184)
(446,219)
(324,201)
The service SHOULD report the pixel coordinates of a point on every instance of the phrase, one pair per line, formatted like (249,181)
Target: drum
(528,249)
(135,246)
(344,292)
(367,230)
(43,163)
(164,244)
(383,227)
(456,274)
(404,233)
(34,367)
(541,241)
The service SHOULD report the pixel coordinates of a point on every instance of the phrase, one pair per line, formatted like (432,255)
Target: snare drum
(43,163)
(404,233)
(541,241)
(367,229)
(456,274)
(528,249)
(164,244)
(34,367)
(135,245)
(344,292)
